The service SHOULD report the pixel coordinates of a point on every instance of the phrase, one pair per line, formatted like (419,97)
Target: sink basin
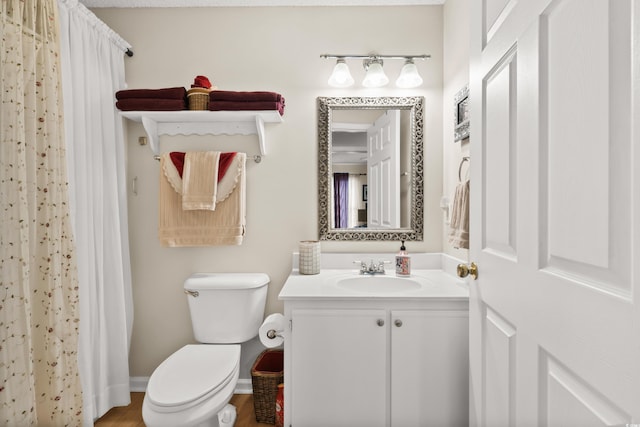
(379,284)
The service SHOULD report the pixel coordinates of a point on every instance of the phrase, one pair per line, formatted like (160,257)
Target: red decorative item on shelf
(201,81)
(280,406)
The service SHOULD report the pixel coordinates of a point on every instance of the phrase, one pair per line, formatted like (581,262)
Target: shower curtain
(38,277)
(92,71)
(341,199)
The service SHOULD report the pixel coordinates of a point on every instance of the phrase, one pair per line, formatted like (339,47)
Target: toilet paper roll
(271,330)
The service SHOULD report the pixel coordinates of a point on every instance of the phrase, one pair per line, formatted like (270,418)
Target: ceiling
(247,3)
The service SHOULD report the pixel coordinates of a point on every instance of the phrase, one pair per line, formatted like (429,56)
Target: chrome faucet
(372,268)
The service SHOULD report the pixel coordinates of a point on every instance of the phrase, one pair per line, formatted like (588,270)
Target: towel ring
(464,159)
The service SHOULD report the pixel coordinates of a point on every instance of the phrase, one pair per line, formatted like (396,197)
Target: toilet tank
(226,307)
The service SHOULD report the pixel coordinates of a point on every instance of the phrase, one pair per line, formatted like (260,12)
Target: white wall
(274,49)
(456,39)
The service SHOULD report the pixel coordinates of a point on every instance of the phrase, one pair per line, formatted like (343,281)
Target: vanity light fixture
(375,76)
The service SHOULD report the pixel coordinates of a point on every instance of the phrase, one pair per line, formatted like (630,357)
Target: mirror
(371,168)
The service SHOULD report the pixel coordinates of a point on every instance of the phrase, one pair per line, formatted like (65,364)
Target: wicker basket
(266,373)
(198,98)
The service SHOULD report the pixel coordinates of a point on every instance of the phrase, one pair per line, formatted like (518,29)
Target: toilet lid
(193,372)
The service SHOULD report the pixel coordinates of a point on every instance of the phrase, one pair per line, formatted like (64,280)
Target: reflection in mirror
(370,168)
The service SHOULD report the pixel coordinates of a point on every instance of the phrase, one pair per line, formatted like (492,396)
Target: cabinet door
(429,368)
(339,368)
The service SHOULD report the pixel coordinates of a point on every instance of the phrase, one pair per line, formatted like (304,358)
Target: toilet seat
(191,375)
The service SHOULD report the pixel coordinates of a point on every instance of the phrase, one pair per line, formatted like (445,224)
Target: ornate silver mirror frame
(415,230)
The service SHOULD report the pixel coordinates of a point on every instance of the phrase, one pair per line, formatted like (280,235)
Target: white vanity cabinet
(380,362)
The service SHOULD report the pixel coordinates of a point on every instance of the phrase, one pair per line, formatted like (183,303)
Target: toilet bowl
(193,386)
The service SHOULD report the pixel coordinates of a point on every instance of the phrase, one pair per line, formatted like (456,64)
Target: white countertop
(435,271)
(435,284)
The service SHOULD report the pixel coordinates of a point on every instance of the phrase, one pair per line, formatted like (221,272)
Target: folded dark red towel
(150,104)
(227,95)
(165,93)
(246,106)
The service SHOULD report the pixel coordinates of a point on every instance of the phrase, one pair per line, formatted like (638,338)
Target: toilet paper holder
(273,334)
(272,330)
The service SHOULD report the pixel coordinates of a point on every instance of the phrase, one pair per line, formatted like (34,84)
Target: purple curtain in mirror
(341,199)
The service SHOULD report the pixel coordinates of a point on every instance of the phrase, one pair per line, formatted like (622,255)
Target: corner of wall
(456,38)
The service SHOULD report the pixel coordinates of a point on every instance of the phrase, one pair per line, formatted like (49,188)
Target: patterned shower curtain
(38,277)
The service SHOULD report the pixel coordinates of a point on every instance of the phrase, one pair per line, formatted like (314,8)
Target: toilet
(193,386)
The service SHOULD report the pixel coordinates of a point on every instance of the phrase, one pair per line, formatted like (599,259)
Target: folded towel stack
(220,100)
(167,99)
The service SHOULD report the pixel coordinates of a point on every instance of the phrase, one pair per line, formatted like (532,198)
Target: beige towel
(224,226)
(459,232)
(200,180)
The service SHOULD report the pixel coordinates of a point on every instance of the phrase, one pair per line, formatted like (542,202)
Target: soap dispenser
(403,262)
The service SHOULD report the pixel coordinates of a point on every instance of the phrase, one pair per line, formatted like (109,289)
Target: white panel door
(555,213)
(383,166)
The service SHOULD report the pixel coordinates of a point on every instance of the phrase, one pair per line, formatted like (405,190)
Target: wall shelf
(190,122)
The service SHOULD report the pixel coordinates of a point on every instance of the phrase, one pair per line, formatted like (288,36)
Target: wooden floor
(131,416)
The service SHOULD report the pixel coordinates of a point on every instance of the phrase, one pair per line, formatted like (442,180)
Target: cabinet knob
(398,322)
(380,322)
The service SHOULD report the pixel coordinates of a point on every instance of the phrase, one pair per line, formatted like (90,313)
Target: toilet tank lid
(202,281)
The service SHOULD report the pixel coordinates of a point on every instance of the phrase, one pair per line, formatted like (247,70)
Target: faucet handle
(363,265)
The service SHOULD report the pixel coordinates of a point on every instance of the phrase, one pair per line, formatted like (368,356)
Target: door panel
(500,158)
(383,159)
(499,369)
(588,233)
(495,12)
(554,314)
(565,400)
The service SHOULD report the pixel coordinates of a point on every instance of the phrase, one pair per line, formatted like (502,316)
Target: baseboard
(139,384)
(244,386)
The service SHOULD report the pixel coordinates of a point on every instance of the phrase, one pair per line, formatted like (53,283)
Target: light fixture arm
(372,56)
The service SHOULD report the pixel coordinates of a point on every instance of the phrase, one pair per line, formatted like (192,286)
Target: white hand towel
(200,180)
(459,232)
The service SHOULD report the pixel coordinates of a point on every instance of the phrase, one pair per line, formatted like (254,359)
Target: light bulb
(341,77)
(409,76)
(375,76)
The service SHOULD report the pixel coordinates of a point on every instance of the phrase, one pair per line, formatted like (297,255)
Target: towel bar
(257,158)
